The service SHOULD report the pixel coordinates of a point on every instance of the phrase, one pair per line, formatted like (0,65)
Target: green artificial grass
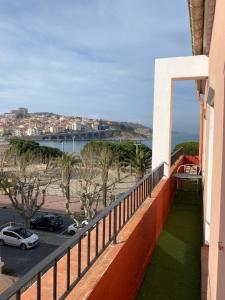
(174,271)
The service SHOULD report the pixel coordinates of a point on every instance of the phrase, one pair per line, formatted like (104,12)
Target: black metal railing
(175,155)
(82,250)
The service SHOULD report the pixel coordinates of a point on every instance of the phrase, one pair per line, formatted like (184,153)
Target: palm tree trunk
(118,173)
(104,193)
(131,170)
(26,223)
(67,204)
(104,188)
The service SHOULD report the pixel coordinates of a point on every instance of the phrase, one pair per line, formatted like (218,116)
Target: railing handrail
(178,150)
(70,243)
(176,154)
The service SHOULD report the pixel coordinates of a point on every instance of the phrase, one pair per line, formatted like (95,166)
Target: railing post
(152,182)
(115,225)
(79,259)
(18,295)
(96,239)
(68,270)
(39,286)
(110,225)
(55,280)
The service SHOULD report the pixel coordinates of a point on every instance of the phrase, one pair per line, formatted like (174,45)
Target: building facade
(207,67)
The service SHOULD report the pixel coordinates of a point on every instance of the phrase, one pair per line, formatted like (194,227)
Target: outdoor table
(188,176)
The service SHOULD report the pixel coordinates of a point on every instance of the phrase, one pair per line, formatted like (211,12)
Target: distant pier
(72,136)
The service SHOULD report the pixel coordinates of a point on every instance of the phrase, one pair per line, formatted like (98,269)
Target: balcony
(108,258)
(174,270)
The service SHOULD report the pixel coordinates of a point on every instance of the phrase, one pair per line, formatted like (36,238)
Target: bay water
(77,146)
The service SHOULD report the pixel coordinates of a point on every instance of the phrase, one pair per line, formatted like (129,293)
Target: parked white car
(72,229)
(85,222)
(18,237)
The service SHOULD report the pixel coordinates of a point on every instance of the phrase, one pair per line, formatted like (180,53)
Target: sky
(93,58)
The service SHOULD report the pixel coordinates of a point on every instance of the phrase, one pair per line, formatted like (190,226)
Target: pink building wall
(216,280)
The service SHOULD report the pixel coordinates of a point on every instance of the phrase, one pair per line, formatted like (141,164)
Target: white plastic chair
(190,169)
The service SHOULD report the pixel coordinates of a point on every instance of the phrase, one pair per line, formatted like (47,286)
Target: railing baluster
(124,210)
(151,188)
(18,295)
(128,207)
(153,180)
(103,233)
(146,187)
(143,192)
(132,202)
(39,286)
(114,224)
(79,259)
(120,216)
(55,280)
(110,225)
(88,248)
(96,239)
(68,270)
(138,196)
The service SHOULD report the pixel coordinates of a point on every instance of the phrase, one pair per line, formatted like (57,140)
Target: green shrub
(9,271)
(189,148)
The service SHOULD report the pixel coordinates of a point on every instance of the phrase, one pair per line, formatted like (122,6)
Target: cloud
(88,57)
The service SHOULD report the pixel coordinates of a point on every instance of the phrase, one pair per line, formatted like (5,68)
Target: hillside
(129,130)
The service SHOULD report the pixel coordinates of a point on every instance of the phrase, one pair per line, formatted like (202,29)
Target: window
(10,234)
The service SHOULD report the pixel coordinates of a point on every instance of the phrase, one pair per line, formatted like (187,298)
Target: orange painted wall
(188,159)
(123,277)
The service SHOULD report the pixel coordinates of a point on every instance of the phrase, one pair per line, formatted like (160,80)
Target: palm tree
(47,154)
(22,154)
(66,163)
(141,162)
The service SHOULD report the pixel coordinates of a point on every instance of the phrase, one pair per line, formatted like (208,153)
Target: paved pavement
(5,282)
(53,203)
(56,203)
(22,261)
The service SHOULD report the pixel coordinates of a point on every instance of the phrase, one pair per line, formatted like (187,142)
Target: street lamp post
(137,144)
(62,145)
(73,144)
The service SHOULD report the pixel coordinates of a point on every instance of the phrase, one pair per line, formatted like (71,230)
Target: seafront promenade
(56,203)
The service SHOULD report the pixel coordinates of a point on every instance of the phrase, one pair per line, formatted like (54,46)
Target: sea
(77,146)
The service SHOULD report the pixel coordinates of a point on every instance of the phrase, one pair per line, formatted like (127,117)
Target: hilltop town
(21,123)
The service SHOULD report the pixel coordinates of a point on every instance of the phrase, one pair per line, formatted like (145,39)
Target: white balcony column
(208,203)
(166,71)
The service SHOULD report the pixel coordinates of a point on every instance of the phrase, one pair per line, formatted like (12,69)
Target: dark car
(49,222)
